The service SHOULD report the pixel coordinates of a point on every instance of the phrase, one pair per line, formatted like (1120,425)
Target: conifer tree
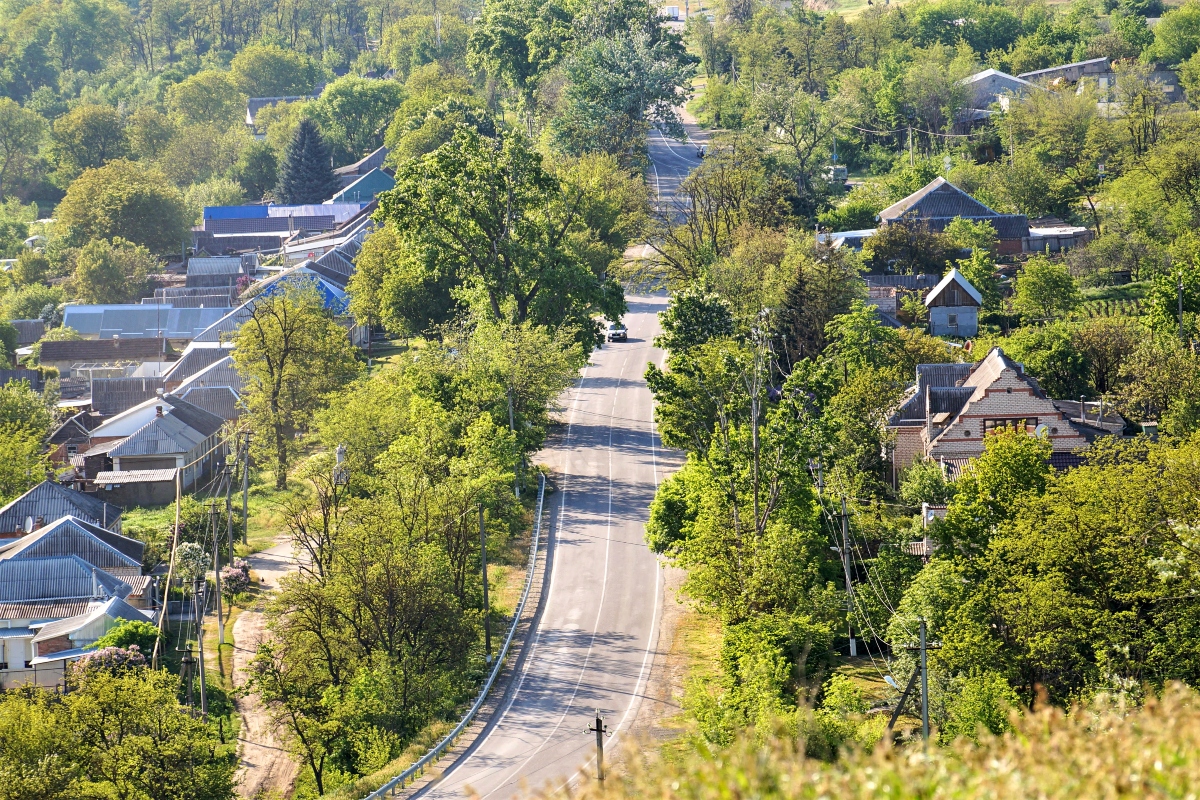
(306,175)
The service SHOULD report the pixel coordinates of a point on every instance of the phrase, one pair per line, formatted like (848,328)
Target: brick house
(953,407)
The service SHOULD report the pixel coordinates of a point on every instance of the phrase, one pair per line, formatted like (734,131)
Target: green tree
(257,169)
(487,213)
(210,97)
(1051,354)
(24,425)
(22,410)
(31,267)
(306,172)
(268,70)
(87,137)
(128,201)
(353,113)
(1045,290)
(37,749)
(517,42)
(693,318)
(129,632)
(291,355)
(29,301)
(21,131)
(1177,35)
(111,271)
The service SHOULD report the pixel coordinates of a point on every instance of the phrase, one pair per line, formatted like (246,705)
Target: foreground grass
(1101,751)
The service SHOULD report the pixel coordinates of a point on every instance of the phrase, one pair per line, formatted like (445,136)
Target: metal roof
(954,276)
(176,432)
(56,578)
(28,330)
(134,476)
(111,396)
(114,608)
(56,609)
(217,265)
(72,537)
(197,357)
(219,400)
(50,501)
(106,350)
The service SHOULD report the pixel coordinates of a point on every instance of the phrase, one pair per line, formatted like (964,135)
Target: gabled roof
(73,537)
(72,429)
(954,277)
(939,198)
(50,501)
(366,188)
(197,357)
(217,265)
(113,395)
(28,330)
(56,578)
(114,608)
(220,373)
(995,73)
(219,400)
(371,161)
(176,432)
(1038,73)
(44,610)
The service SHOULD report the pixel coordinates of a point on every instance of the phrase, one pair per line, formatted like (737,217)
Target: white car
(616,332)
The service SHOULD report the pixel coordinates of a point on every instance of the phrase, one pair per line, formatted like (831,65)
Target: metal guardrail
(390,788)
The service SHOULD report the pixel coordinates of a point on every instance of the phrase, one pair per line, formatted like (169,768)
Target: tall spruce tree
(306,174)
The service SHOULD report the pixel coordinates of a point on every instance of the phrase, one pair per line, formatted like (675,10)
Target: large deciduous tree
(291,355)
(126,200)
(20,132)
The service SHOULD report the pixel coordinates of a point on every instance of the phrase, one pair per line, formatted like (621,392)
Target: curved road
(594,642)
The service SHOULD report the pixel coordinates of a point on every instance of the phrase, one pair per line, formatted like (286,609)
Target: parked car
(617,332)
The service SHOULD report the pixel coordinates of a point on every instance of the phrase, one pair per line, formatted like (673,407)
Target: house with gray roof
(197,356)
(76,356)
(954,306)
(937,204)
(111,396)
(217,271)
(30,376)
(139,321)
(29,331)
(49,501)
(62,641)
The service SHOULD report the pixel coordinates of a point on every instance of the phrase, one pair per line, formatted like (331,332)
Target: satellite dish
(29,524)
(1041,430)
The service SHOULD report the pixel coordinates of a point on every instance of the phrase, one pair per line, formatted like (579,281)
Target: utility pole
(601,731)
(212,516)
(845,548)
(910,146)
(1180,294)
(924,686)
(229,511)
(513,430)
(185,668)
(199,642)
(245,489)
(487,608)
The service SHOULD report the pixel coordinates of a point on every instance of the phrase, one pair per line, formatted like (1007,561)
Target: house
(937,204)
(65,640)
(366,188)
(29,331)
(64,571)
(951,409)
(217,389)
(139,321)
(111,396)
(993,87)
(227,229)
(352,172)
(195,297)
(196,357)
(86,358)
(954,306)
(72,436)
(166,433)
(1098,73)
(49,501)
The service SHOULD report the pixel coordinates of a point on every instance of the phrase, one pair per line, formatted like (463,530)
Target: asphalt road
(594,643)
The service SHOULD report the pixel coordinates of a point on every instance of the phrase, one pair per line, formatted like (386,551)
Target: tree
(516,42)
(257,169)
(30,301)
(824,284)
(23,465)
(617,89)
(128,201)
(31,267)
(37,755)
(306,172)
(1045,290)
(88,137)
(210,98)
(1051,354)
(268,70)
(353,113)
(23,411)
(1177,36)
(693,318)
(20,132)
(291,355)
(487,213)
(129,632)
(111,271)
(1106,343)
(800,122)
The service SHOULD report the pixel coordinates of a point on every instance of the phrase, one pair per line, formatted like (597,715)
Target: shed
(954,306)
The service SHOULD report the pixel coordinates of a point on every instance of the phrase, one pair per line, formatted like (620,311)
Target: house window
(952,320)
(1028,423)
(72,449)
(954,297)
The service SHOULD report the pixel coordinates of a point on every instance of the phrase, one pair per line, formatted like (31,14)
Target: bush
(129,633)
(235,578)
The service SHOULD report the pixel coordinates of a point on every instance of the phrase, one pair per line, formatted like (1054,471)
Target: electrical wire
(914,130)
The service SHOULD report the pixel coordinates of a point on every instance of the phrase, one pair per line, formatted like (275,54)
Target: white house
(954,306)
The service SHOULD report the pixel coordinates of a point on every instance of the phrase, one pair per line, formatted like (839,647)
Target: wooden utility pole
(212,516)
(924,686)
(196,607)
(245,489)
(845,548)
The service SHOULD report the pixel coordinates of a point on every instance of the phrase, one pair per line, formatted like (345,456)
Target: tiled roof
(140,349)
(50,501)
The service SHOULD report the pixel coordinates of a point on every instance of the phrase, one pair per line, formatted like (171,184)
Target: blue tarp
(235,212)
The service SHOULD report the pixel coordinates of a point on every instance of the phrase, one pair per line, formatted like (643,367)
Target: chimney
(158,411)
(38,523)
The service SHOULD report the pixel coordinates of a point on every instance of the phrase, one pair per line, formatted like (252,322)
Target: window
(1028,423)
(952,320)
(954,297)
(72,449)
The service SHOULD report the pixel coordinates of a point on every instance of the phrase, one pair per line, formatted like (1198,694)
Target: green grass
(1126,300)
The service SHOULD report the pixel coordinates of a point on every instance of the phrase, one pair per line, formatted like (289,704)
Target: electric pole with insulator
(601,730)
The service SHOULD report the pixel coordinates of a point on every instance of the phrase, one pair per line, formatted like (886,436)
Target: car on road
(616,332)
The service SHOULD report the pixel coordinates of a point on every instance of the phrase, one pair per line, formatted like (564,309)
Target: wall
(968,321)
(139,495)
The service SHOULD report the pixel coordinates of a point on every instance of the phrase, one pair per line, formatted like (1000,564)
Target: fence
(417,769)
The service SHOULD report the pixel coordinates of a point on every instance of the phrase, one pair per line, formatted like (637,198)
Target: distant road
(594,644)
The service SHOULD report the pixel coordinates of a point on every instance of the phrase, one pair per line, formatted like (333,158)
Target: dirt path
(267,769)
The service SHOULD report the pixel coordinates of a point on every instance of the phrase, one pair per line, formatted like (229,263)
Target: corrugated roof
(219,400)
(217,265)
(114,608)
(948,399)
(50,501)
(938,198)
(197,357)
(56,578)
(135,476)
(15,633)
(43,611)
(30,376)
(111,396)
(176,432)
(71,537)
(105,350)
(219,373)
(28,330)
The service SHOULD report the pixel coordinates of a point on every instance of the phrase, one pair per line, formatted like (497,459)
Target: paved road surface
(595,641)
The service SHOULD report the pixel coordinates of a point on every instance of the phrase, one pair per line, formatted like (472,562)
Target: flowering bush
(109,659)
(235,578)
